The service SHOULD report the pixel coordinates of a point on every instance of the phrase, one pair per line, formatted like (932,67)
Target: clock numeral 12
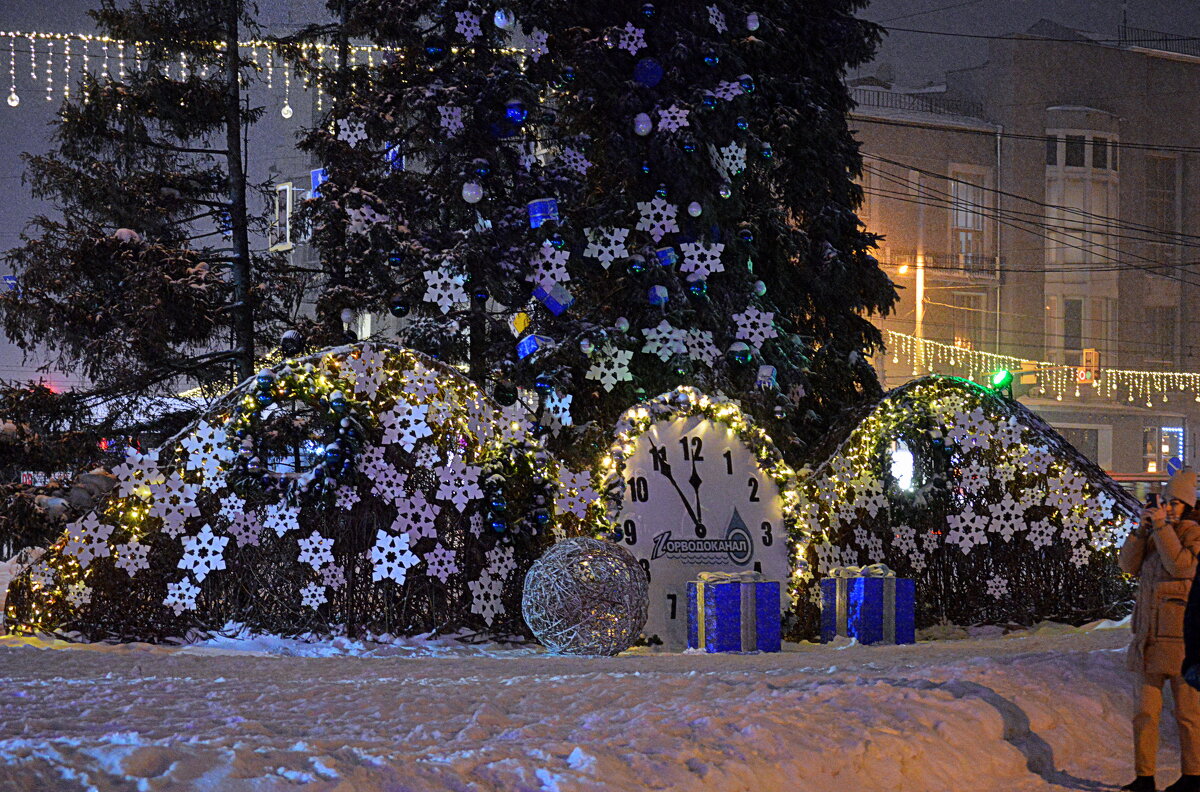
(673,599)
(697,445)
(639,489)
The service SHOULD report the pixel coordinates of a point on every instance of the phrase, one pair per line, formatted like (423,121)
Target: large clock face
(696,501)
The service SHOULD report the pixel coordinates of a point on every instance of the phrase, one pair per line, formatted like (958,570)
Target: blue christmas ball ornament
(746,235)
(648,10)
(725,190)
(265,379)
(556,241)
(689,145)
(658,295)
(504,19)
(740,351)
(514,110)
(498,504)
(661,192)
(264,398)
(760,288)
(646,166)
(338,403)
(541,517)
(482,167)
(698,287)
(711,59)
(637,264)
(742,123)
(333,455)
(543,384)
(766,152)
(568,74)
(499,525)
(709,100)
(747,83)
(435,48)
(648,72)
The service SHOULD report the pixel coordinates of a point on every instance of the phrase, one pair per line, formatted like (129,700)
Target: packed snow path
(1034,711)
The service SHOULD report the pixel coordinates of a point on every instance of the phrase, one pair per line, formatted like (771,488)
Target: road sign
(1174,464)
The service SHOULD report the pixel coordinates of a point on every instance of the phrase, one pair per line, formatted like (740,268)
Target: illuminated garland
(1054,381)
(685,402)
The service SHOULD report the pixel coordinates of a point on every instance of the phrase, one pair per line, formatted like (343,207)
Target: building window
(1052,149)
(1163,329)
(966,231)
(967,319)
(1072,324)
(1085,441)
(1076,144)
(281,228)
(1100,153)
(1162,448)
(1162,202)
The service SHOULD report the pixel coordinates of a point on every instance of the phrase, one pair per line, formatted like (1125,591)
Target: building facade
(1040,211)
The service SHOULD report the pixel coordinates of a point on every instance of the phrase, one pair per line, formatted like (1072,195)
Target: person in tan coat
(1162,552)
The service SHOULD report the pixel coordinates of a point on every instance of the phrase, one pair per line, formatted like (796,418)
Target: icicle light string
(1145,388)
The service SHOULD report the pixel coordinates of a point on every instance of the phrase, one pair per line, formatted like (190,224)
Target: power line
(930,11)
(1018,36)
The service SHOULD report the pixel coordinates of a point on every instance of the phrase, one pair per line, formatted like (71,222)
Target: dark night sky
(913,59)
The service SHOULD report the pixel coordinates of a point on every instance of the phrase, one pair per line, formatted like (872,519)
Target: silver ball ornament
(695,209)
(472,192)
(642,125)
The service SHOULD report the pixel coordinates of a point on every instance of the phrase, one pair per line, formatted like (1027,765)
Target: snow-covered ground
(1040,710)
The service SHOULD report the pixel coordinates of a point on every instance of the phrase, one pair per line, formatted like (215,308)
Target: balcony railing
(950,264)
(1155,40)
(924,103)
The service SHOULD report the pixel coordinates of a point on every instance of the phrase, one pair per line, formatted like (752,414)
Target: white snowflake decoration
(131,557)
(632,39)
(701,259)
(444,289)
(1036,461)
(967,529)
(1008,433)
(665,341)
(549,266)
(386,481)
(87,539)
(716,18)
(415,517)
(316,550)
(610,366)
(363,217)
(974,477)
(181,596)
(246,529)
(538,39)
(137,470)
(351,132)
(557,410)
(332,576)
(281,518)
(755,326)
(459,483)
(41,575)
(1081,554)
(485,594)
(606,244)
(78,595)
(369,371)
(451,119)
(313,595)
(575,492)
(657,217)
(468,25)
(346,497)
(501,562)
(203,553)
(729,160)
(441,562)
(997,586)
(174,503)
(231,506)
(575,160)
(405,425)
(700,347)
(728,90)
(390,557)
(206,449)
(427,456)
(420,383)
(1041,533)
(673,119)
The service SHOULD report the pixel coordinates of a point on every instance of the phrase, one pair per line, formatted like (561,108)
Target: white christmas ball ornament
(642,124)
(472,192)
(752,21)
(347,315)
(504,19)
(585,597)
(13,99)
(695,209)
(286,111)
(622,324)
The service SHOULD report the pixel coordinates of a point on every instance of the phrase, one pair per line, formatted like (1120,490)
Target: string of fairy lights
(50,65)
(920,356)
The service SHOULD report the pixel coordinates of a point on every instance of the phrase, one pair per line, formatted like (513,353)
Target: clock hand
(664,467)
(696,481)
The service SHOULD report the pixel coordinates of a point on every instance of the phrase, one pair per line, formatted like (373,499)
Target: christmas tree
(599,202)
(144,281)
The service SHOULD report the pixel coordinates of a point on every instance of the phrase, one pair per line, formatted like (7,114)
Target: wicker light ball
(585,597)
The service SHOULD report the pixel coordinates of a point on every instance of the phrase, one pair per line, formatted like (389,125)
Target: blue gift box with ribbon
(734,612)
(869,604)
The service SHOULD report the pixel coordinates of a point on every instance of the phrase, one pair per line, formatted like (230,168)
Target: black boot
(1140,784)
(1186,783)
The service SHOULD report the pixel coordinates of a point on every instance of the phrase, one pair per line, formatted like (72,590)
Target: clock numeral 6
(645,562)
(752,483)
(697,445)
(639,489)
(630,532)
(767,538)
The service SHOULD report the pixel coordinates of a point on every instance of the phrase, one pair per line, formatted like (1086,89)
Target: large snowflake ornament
(606,244)
(485,593)
(700,347)
(281,518)
(137,471)
(362,218)
(1036,461)
(391,557)
(87,539)
(658,217)
(444,289)
(415,517)
(131,557)
(206,450)
(451,119)
(181,596)
(665,341)
(632,39)
(351,132)
(997,586)
(575,160)
(459,483)
(716,18)
(729,160)
(231,506)
(575,492)
(405,425)
(1041,533)
(203,553)
(386,480)
(346,497)
(78,595)
(468,25)
(441,562)
(610,365)
(672,119)
(316,550)
(538,40)
(174,503)
(755,326)
(728,90)
(701,259)
(549,267)
(246,529)
(967,529)
(313,595)
(420,383)
(369,371)
(333,576)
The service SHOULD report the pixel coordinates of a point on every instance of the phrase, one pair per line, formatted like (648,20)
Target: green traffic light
(1002,379)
